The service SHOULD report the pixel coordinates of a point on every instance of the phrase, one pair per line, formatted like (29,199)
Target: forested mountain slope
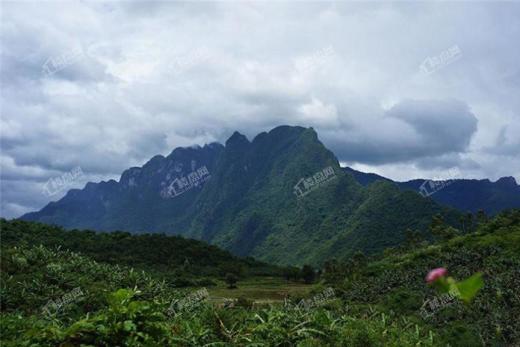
(463,194)
(281,197)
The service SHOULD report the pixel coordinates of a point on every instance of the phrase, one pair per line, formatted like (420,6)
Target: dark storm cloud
(408,131)
(442,126)
(106,86)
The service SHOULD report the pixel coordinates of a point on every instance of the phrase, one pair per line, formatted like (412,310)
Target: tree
(358,259)
(412,237)
(291,273)
(330,265)
(449,232)
(330,270)
(308,274)
(440,230)
(437,226)
(231,280)
(186,265)
(469,222)
(462,220)
(481,217)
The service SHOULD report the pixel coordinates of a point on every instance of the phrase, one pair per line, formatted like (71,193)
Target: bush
(231,280)
(244,302)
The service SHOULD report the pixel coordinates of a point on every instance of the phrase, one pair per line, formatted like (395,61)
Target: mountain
(462,194)
(281,197)
(136,202)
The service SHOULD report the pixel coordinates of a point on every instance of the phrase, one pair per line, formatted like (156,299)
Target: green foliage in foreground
(136,314)
(377,303)
(396,283)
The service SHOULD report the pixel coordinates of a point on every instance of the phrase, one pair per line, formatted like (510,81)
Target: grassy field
(260,290)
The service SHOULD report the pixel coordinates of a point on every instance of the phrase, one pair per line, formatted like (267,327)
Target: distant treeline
(180,260)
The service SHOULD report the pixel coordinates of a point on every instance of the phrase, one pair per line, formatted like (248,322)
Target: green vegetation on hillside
(137,313)
(181,262)
(375,301)
(249,207)
(395,283)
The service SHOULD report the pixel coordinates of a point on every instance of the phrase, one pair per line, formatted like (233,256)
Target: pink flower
(435,274)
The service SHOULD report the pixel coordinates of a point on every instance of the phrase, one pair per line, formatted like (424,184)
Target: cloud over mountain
(108,85)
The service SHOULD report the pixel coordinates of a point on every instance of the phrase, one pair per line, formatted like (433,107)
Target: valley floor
(260,290)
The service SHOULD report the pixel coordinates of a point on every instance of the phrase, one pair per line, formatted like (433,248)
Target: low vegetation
(181,262)
(368,302)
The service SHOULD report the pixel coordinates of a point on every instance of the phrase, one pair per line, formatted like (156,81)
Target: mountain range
(469,195)
(281,198)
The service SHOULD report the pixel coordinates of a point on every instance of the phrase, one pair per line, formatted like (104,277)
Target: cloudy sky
(406,90)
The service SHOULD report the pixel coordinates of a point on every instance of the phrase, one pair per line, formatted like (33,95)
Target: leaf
(469,288)
(119,297)
(128,325)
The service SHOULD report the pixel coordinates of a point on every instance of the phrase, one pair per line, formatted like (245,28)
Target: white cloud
(155,76)
(317,113)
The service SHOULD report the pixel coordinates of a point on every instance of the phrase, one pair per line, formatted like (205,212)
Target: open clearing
(260,290)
